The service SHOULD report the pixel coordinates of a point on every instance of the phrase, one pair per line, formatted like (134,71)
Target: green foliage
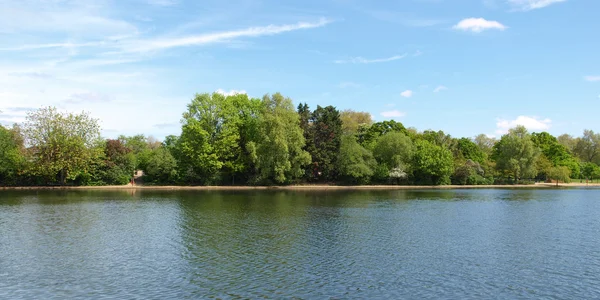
(323,139)
(355,164)
(161,167)
(353,120)
(11,156)
(470,173)
(555,152)
(62,144)
(279,152)
(560,173)
(516,154)
(590,171)
(588,147)
(394,150)
(485,143)
(432,164)
(470,151)
(367,135)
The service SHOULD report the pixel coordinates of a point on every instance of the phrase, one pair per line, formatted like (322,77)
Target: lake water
(456,244)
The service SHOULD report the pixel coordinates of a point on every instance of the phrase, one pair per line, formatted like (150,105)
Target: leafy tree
(516,154)
(485,143)
(432,164)
(119,162)
(469,173)
(11,155)
(394,151)
(543,166)
(353,120)
(560,173)
(161,167)
(588,147)
(62,143)
(439,138)
(469,150)
(557,153)
(279,154)
(218,135)
(590,170)
(326,132)
(368,135)
(568,141)
(355,164)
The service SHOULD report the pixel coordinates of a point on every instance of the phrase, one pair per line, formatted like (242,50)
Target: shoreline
(306,187)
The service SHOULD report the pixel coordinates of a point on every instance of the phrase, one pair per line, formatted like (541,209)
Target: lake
(459,244)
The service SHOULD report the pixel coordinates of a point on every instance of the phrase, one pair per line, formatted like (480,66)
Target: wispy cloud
(230,92)
(439,89)
(592,78)
(530,122)
(362,60)
(407,94)
(211,38)
(88,97)
(478,25)
(525,5)
(393,114)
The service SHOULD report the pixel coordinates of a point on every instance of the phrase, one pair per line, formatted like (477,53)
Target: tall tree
(485,143)
(11,155)
(557,153)
(516,154)
(353,120)
(279,154)
(326,133)
(355,164)
(368,135)
(394,150)
(62,143)
(588,147)
(432,164)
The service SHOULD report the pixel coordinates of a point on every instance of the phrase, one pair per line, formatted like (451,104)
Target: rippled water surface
(282,244)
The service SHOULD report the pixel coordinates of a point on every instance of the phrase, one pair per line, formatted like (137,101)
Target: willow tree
(61,144)
(279,154)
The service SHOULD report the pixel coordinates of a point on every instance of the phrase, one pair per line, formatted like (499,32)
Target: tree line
(237,140)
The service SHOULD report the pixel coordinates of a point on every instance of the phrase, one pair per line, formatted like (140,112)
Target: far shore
(306,187)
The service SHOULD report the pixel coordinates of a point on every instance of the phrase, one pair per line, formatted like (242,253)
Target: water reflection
(305,244)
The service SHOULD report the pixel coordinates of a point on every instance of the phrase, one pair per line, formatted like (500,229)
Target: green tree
(161,167)
(394,151)
(432,164)
(353,120)
(367,135)
(218,137)
(62,143)
(590,171)
(557,153)
(485,143)
(560,173)
(326,132)
(588,147)
(516,154)
(12,159)
(469,150)
(568,141)
(355,164)
(280,157)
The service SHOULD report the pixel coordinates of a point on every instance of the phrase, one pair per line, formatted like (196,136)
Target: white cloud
(393,114)
(439,89)
(478,25)
(361,60)
(230,92)
(224,36)
(592,78)
(526,5)
(407,94)
(531,123)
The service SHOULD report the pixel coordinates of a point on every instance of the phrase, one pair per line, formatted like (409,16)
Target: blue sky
(463,66)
